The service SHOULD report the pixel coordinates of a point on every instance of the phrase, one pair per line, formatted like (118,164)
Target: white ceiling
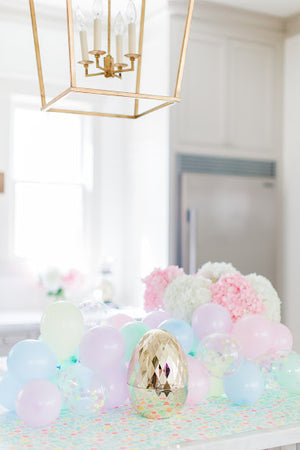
(281,8)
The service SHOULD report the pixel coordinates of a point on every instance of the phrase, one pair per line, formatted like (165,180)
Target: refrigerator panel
(229,218)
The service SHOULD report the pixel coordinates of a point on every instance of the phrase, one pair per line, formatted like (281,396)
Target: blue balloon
(182,331)
(245,386)
(9,388)
(31,359)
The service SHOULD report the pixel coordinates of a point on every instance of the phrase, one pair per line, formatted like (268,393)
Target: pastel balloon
(181,330)
(154,318)
(132,333)
(219,354)
(287,373)
(38,403)
(198,382)
(31,359)
(62,328)
(282,338)
(209,319)
(216,387)
(101,347)
(254,334)
(115,384)
(118,320)
(245,386)
(82,389)
(9,388)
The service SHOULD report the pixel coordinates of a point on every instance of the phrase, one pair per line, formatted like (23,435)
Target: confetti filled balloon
(38,403)
(94,313)
(62,328)
(158,375)
(246,385)
(82,390)
(219,354)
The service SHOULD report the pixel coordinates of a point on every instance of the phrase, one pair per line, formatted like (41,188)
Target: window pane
(49,223)
(47,147)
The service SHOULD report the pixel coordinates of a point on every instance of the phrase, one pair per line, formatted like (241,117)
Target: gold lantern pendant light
(101,62)
(111,68)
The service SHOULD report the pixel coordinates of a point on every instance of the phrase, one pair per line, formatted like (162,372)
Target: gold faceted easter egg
(158,375)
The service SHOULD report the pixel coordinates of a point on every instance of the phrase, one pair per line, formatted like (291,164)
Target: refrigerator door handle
(192,215)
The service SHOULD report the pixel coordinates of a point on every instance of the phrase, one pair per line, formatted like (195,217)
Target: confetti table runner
(123,429)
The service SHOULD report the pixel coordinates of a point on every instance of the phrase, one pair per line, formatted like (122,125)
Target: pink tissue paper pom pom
(234,292)
(156,284)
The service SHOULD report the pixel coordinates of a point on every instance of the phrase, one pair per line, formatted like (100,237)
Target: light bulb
(131,12)
(119,26)
(80,20)
(97,9)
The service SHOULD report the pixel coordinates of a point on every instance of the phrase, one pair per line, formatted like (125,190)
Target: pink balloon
(254,334)
(38,403)
(282,337)
(101,347)
(199,382)
(118,320)
(115,385)
(155,318)
(209,319)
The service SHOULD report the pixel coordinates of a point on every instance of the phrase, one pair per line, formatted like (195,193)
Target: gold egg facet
(158,375)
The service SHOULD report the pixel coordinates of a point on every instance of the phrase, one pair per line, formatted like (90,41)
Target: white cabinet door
(202,112)
(251,95)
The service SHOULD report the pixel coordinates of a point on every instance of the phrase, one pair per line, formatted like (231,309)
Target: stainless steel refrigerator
(229,214)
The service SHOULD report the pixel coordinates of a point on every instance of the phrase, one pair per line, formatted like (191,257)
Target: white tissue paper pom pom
(185,294)
(264,289)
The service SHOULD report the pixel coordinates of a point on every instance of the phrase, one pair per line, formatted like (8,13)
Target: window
(49,189)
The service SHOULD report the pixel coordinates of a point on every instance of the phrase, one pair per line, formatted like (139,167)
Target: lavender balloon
(115,384)
(101,347)
(38,403)
(209,319)
(155,318)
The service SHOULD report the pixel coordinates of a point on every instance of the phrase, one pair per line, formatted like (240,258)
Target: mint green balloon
(132,332)
(287,373)
(62,328)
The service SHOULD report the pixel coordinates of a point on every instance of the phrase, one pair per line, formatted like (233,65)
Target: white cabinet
(251,70)
(202,114)
(231,92)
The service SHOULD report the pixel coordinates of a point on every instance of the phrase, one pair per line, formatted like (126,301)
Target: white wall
(130,185)
(291,188)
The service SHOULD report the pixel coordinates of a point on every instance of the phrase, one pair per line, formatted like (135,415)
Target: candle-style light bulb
(80,20)
(131,12)
(119,26)
(98,9)
(81,24)
(131,19)
(97,13)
